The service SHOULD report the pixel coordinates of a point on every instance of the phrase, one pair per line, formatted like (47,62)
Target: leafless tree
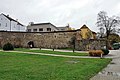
(109,24)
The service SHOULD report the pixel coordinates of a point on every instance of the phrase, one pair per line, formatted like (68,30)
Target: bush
(106,51)
(8,46)
(95,52)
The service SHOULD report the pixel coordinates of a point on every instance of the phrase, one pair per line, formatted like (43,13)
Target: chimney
(68,26)
(30,23)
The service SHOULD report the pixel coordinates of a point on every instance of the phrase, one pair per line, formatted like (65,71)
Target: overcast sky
(59,12)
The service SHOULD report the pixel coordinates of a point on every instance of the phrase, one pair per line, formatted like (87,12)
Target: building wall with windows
(9,24)
(62,28)
(4,23)
(22,28)
(14,26)
(41,27)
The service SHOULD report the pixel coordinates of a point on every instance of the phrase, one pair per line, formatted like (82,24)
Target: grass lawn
(14,66)
(52,52)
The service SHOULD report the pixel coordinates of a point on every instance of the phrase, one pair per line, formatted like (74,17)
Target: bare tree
(109,24)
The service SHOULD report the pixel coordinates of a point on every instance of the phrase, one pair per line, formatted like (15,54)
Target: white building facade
(41,27)
(9,24)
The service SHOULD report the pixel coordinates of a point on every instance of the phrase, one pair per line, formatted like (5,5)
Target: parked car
(116,46)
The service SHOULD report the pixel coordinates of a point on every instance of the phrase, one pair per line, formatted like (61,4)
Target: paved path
(112,71)
(53,54)
(60,50)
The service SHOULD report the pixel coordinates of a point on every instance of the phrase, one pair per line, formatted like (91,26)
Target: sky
(59,12)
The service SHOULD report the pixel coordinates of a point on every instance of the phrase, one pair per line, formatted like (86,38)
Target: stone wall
(90,44)
(58,39)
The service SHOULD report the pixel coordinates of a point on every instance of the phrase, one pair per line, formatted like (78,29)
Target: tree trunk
(53,49)
(74,48)
(107,41)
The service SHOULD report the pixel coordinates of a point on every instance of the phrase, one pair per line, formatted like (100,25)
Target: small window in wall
(40,29)
(0,24)
(48,29)
(1,18)
(34,30)
(6,25)
(29,30)
(62,29)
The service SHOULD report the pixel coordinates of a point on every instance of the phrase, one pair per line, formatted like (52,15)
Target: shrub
(8,46)
(95,52)
(106,51)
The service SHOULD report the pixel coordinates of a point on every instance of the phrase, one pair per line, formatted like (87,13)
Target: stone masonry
(41,39)
(56,39)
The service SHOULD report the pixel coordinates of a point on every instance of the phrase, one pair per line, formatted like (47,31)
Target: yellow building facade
(86,33)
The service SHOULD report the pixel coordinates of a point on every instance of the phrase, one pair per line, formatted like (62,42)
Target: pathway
(45,54)
(60,50)
(112,71)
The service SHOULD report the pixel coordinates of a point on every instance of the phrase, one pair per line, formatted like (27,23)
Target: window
(34,30)
(6,25)
(62,29)
(29,30)
(1,18)
(40,29)
(0,24)
(48,29)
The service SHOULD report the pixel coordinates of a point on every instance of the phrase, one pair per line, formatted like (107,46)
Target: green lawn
(52,52)
(14,66)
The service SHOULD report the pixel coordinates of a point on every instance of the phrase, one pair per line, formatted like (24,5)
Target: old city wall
(59,39)
(90,44)
(41,39)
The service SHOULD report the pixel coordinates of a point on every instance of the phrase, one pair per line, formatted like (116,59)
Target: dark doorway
(31,44)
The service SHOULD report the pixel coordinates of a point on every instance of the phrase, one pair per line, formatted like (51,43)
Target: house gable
(87,33)
(9,24)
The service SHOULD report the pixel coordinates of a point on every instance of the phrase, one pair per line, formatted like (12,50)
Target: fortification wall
(91,44)
(41,39)
(59,39)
